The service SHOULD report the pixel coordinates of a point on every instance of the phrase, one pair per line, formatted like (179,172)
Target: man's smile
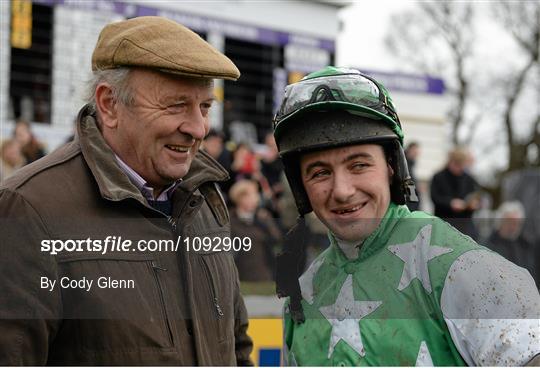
(346,210)
(178,148)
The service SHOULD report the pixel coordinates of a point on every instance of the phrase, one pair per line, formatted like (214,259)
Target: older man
(97,267)
(507,239)
(394,287)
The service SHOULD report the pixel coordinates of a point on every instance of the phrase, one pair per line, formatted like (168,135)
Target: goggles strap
(326,94)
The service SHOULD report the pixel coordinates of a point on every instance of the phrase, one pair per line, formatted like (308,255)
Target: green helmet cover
(347,96)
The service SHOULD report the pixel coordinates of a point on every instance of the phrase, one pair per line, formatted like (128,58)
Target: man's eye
(319,174)
(359,165)
(177,107)
(205,107)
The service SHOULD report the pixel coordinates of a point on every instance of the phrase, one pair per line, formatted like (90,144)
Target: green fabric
(325,72)
(393,333)
(362,108)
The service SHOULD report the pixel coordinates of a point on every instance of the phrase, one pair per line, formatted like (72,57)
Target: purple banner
(241,31)
(412,83)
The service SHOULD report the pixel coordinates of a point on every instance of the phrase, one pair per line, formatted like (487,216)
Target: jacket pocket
(216,294)
(166,322)
(118,304)
(216,312)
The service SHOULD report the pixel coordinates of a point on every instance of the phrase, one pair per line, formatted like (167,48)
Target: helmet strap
(288,268)
(407,184)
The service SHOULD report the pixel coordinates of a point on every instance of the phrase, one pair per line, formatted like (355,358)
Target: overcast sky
(365,23)
(361,44)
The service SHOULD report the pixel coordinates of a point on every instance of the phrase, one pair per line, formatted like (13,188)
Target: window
(250,99)
(30,70)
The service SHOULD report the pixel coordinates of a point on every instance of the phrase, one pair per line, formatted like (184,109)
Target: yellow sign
(218,93)
(267,335)
(295,77)
(21,24)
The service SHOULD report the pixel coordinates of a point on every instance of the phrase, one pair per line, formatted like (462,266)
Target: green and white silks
(417,292)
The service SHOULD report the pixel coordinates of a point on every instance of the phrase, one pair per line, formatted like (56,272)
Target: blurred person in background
(248,219)
(506,238)
(31,148)
(245,163)
(271,165)
(214,144)
(454,192)
(11,158)
(412,151)
(272,171)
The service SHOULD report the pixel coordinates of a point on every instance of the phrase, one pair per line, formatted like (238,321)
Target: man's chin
(174,174)
(356,232)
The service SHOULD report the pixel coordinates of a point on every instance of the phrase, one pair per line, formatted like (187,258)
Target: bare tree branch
(438,38)
(535,133)
(444,29)
(521,19)
(473,127)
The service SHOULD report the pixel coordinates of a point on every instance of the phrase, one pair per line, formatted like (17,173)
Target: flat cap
(161,44)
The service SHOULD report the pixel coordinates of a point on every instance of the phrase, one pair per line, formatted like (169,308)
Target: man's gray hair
(507,208)
(118,79)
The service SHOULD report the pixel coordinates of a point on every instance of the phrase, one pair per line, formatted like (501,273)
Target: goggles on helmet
(353,88)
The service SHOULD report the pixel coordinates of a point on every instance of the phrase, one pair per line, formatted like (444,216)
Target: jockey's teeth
(349,210)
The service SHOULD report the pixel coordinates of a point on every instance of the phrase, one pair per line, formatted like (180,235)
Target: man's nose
(195,124)
(343,188)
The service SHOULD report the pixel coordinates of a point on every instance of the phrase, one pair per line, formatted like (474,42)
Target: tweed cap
(161,44)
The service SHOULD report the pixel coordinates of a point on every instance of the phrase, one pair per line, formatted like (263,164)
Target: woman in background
(31,148)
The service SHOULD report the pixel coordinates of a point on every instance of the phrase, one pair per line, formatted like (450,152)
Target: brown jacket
(185,307)
(257,265)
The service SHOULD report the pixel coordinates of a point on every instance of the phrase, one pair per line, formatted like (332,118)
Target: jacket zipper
(215,300)
(155,269)
(172,222)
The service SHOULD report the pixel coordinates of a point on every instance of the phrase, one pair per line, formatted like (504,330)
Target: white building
(271,42)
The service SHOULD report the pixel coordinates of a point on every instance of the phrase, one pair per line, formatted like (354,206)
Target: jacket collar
(113,183)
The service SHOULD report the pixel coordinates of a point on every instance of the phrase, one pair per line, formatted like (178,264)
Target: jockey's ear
(390,171)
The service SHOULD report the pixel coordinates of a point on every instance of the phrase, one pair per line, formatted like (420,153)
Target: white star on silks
(424,358)
(416,255)
(306,281)
(345,315)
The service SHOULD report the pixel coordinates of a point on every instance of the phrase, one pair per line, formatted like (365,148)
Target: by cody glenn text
(86,283)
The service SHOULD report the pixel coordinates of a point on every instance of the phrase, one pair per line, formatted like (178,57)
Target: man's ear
(390,171)
(106,105)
